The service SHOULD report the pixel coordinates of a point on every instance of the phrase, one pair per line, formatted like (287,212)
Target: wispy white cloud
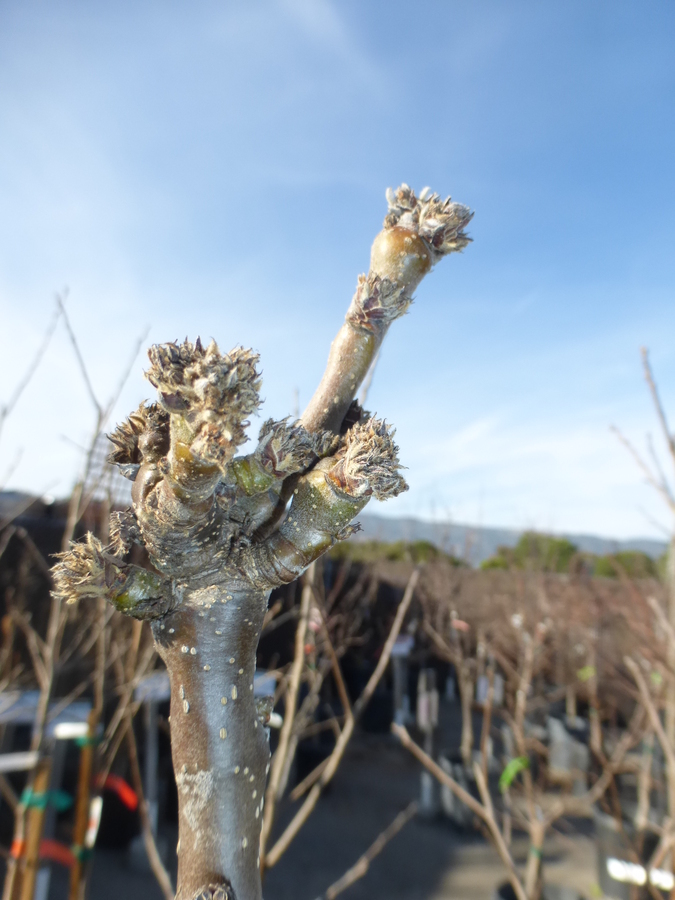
(555,474)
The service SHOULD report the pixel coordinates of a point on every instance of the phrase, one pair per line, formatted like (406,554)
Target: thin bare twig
(8,793)
(628,740)
(658,611)
(290,702)
(359,869)
(335,665)
(65,702)
(338,584)
(127,692)
(332,724)
(649,475)
(7,408)
(654,718)
(35,644)
(303,786)
(666,843)
(272,613)
(658,467)
(35,553)
(124,377)
(656,399)
(273,623)
(79,357)
(447,651)
(11,468)
(21,507)
(154,858)
(368,380)
(80,500)
(5,538)
(487,719)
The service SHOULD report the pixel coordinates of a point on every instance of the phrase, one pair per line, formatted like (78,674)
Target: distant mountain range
(474,544)
(468,542)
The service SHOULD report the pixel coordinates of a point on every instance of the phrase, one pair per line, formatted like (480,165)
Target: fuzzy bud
(439,222)
(369,464)
(287,448)
(144,435)
(88,571)
(325,443)
(80,571)
(124,532)
(215,892)
(348,531)
(264,707)
(377,302)
(211,392)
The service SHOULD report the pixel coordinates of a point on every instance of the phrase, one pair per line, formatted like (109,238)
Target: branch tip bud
(439,222)
(212,392)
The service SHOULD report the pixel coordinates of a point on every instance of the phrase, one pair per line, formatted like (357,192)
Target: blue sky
(219,169)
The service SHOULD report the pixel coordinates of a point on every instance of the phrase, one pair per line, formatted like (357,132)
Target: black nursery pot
(549,892)
(309,755)
(613,856)
(379,713)
(459,814)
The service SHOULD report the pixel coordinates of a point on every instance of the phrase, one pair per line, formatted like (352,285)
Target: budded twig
(219,536)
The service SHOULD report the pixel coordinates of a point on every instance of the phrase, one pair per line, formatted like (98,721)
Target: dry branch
(361,866)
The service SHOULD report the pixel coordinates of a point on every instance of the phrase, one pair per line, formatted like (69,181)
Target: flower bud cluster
(143,436)
(439,222)
(369,464)
(377,302)
(286,447)
(212,393)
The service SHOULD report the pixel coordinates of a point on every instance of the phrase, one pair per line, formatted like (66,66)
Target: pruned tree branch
(217,535)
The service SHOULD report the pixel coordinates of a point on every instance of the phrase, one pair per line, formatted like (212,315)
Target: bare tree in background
(524,647)
(663,485)
(45,650)
(219,537)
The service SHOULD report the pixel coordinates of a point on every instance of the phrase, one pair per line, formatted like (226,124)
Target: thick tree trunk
(220,748)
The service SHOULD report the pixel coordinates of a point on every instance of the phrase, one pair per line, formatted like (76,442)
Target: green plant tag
(511,770)
(60,800)
(585,673)
(656,678)
(86,741)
